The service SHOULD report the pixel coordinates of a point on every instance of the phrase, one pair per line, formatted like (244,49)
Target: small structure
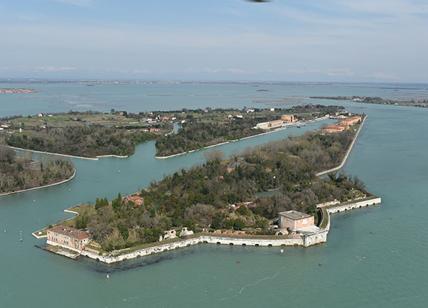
(343,125)
(136,199)
(289,118)
(167,235)
(185,232)
(333,129)
(270,125)
(294,220)
(68,237)
(351,121)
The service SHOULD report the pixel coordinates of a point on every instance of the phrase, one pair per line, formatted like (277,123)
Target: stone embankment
(305,241)
(342,207)
(342,164)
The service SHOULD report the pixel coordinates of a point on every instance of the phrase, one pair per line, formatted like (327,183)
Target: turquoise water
(375,257)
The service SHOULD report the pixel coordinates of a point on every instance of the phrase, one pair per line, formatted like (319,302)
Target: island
(272,195)
(97,134)
(16,91)
(210,127)
(80,134)
(422,103)
(22,173)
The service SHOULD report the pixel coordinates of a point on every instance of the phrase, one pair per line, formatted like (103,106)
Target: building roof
(294,215)
(71,232)
(136,199)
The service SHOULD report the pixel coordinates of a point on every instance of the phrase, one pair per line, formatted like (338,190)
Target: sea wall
(142,252)
(353,205)
(304,240)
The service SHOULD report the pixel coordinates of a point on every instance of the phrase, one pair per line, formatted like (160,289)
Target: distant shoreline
(16,91)
(421,103)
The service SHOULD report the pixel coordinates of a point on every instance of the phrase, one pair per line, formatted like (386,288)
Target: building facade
(67,237)
(294,220)
(288,118)
(270,125)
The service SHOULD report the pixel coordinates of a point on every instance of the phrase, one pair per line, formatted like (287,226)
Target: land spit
(342,164)
(299,240)
(243,138)
(40,187)
(66,155)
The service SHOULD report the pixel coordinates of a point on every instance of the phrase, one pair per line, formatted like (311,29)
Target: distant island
(94,134)
(16,91)
(22,173)
(423,103)
(269,194)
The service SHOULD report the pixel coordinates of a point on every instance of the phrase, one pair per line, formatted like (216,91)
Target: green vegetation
(88,134)
(203,128)
(223,194)
(80,141)
(18,173)
(91,134)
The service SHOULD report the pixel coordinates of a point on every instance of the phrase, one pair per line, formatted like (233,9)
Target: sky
(296,40)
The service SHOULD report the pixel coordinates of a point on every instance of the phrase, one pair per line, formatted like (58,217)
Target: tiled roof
(71,232)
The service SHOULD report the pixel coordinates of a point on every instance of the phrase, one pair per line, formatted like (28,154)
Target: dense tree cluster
(85,141)
(202,197)
(18,173)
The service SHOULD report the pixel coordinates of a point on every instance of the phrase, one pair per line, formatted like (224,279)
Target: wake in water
(254,284)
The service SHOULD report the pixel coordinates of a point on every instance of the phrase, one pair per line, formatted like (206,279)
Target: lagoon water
(375,257)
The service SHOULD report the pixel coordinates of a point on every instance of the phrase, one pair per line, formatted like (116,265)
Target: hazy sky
(298,40)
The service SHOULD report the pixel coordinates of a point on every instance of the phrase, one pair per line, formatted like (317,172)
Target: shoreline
(236,140)
(348,152)
(67,155)
(303,240)
(39,187)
